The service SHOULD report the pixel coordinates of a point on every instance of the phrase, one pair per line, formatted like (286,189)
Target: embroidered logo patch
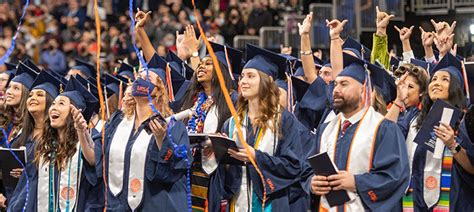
(65,191)
(372,196)
(270,184)
(431,183)
(135,185)
(169,153)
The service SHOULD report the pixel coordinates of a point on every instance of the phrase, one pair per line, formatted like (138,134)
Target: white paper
(446,119)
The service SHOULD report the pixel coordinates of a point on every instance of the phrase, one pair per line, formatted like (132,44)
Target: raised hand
(187,43)
(335,27)
(382,18)
(141,18)
(79,122)
(285,49)
(305,27)
(427,38)
(444,43)
(405,33)
(402,89)
(443,27)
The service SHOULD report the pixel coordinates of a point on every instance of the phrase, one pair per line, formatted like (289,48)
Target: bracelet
(336,38)
(399,106)
(309,52)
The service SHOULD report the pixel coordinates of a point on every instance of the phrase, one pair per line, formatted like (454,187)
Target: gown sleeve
(384,185)
(167,165)
(283,168)
(313,104)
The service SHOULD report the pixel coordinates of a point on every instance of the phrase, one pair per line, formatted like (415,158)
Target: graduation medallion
(431,183)
(135,185)
(67,193)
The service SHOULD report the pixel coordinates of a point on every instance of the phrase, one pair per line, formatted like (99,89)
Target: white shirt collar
(354,118)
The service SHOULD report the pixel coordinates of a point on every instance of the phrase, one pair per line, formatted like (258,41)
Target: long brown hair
(161,98)
(29,123)
(268,103)
(9,115)
(54,151)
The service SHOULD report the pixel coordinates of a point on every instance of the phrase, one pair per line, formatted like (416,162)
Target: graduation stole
(361,151)
(265,141)
(432,171)
(137,171)
(69,182)
(116,157)
(46,182)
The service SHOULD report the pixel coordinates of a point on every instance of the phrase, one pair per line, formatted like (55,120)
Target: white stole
(267,145)
(209,165)
(43,191)
(100,124)
(69,182)
(117,154)
(360,154)
(431,172)
(137,169)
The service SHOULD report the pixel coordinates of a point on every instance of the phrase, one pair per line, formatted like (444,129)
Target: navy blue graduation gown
(390,172)
(461,195)
(406,118)
(283,169)
(164,180)
(310,109)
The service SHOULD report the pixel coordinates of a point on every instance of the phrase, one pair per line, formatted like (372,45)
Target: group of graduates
(361,107)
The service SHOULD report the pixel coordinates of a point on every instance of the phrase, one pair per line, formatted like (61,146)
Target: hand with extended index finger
(305,27)
(405,33)
(335,27)
(427,38)
(141,18)
(382,18)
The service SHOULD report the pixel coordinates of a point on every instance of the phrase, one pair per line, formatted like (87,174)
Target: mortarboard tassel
(228,63)
(169,82)
(120,95)
(466,83)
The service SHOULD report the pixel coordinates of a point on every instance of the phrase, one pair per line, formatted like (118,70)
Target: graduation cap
(91,84)
(230,57)
(282,84)
(11,74)
(10,66)
(81,98)
(57,76)
(426,65)
(25,75)
(179,65)
(300,87)
(436,54)
(266,61)
(470,79)
(357,48)
(84,67)
(452,65)
(356,69)
(48,83)
(28,62)
(394,63)
(126,70)
(114,82)
(170,77)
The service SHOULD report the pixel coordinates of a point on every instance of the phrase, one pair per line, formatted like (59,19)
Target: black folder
(197,138)
(9,162)
(322,165)
(220,145)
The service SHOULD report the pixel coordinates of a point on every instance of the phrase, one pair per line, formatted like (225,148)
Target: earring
(419,106)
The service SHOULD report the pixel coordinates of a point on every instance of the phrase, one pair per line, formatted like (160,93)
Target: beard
(346,105)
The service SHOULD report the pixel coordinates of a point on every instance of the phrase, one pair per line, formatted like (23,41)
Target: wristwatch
(455,148)
(195,54)
(306,52)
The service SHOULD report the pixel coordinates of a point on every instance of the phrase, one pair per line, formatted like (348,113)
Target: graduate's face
(347,94)
(283,97)
(413,97)
(13,96)
(36,101)
(127,97)
(3,81)
(439,86)
(326,74)
(205,70)
(249,83)
(59,112)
